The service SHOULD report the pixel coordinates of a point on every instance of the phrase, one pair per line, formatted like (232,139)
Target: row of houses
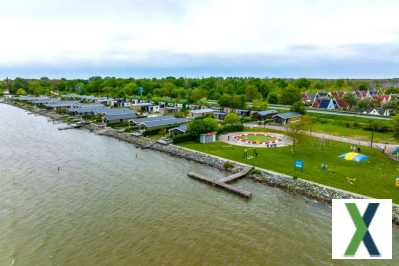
(335,101)
(108,114)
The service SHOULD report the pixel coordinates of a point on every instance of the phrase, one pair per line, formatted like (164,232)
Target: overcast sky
(285,38)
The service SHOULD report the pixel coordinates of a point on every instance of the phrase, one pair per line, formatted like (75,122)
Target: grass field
(257,138)
(356,133)
(353,127)
(374,178)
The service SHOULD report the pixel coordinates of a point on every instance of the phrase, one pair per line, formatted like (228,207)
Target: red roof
(381,99)
(342,103)
(316,103)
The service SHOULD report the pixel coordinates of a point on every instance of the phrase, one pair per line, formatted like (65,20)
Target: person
(255,153)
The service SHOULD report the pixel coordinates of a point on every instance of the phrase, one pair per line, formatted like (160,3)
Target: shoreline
(303,187)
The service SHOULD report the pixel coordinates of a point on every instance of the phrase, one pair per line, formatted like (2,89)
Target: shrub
(182,138)
(231,128)
(228,165)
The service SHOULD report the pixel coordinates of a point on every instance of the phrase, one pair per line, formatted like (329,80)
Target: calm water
(112,204)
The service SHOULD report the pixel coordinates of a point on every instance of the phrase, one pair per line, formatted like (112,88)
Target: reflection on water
(74,198)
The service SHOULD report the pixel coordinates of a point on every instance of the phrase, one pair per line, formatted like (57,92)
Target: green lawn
(357,133)
(353,127)
(374,178)
(258,138)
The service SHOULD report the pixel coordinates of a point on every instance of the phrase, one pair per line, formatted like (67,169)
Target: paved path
(320,111)
(379,146)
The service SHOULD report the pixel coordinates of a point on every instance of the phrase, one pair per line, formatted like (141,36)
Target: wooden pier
(222,183)
(236,176)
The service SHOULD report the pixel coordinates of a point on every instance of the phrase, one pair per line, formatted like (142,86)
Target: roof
(164,123)
(182,128)
(159,121)
(324,103)
(342,103)
(118,111)
(61,104)
(142,104)
(151,118)
(89,108)
(116,116)
(266,112)
(287,115)
(202,111)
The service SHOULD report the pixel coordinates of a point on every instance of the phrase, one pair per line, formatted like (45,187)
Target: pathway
(379,146)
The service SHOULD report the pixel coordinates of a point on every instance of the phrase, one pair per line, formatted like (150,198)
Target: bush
(183,138)
(231,128)
(228,165)
(151,132)
(298,107)
(199,126)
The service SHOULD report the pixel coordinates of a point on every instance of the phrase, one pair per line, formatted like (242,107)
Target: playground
(256,139)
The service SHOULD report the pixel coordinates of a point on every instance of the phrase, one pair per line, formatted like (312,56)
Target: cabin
(219,115)
(61,105)
(87,109)
(182,129)
(145,107)
(202,112)
(264,115)
(158,122)
(285,118)
(117,115)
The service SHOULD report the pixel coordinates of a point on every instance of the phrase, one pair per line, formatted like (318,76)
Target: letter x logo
(362,233)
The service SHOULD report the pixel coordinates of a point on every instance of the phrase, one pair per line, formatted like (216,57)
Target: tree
(272,98)
(396,126)
(290,95)
(302,83)
(298,107)
(339,84)
(232,118)
(350,99)
(198,94)
(252,93)
(200,126)
(259,105)
(21,91)
(373,125)
(366,104)
(294,130)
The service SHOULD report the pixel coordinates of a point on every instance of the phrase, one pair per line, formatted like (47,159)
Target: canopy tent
(354,156)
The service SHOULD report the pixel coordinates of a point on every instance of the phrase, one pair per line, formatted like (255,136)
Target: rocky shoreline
(288,183)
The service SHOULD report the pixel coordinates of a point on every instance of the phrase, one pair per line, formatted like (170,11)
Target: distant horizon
(88,76)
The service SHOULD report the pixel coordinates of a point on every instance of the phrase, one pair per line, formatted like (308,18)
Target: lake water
(113,204)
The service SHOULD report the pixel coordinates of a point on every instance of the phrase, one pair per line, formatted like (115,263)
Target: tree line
(229,92)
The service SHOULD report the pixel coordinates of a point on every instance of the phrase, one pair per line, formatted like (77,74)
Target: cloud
(290,38)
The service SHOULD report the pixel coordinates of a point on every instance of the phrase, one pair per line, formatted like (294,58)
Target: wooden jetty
(222,183)
(236,176)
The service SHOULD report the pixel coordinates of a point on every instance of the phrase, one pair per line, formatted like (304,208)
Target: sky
(155,38)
